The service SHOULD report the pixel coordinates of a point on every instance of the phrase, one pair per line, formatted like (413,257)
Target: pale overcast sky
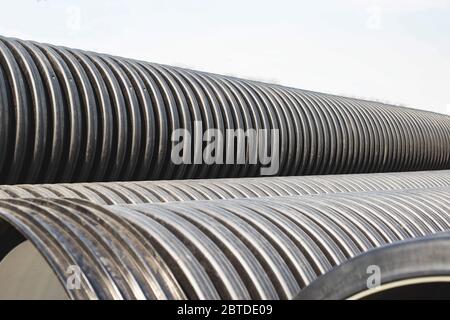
(391,50)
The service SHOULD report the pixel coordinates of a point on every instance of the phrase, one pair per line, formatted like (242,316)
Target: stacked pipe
(260,248)
(80,131)
(69,115)
(109,193)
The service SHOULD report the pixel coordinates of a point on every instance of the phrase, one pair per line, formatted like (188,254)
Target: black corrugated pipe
(68,115)
(259,248)
(412,269)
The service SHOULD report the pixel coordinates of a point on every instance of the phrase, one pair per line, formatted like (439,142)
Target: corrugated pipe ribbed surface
(109,193)
(415,269)
(262,248)
(67,115)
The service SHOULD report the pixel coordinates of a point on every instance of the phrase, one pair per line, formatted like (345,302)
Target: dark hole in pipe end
(9,238)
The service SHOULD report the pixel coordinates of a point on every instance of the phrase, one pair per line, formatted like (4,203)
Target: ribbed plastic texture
(109,193)
(68,115)
(257,248)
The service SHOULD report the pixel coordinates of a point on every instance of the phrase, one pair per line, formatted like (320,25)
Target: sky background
(395,51)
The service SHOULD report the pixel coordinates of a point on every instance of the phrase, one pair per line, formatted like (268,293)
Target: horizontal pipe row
(72,116)
(259,248)
(109,193)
